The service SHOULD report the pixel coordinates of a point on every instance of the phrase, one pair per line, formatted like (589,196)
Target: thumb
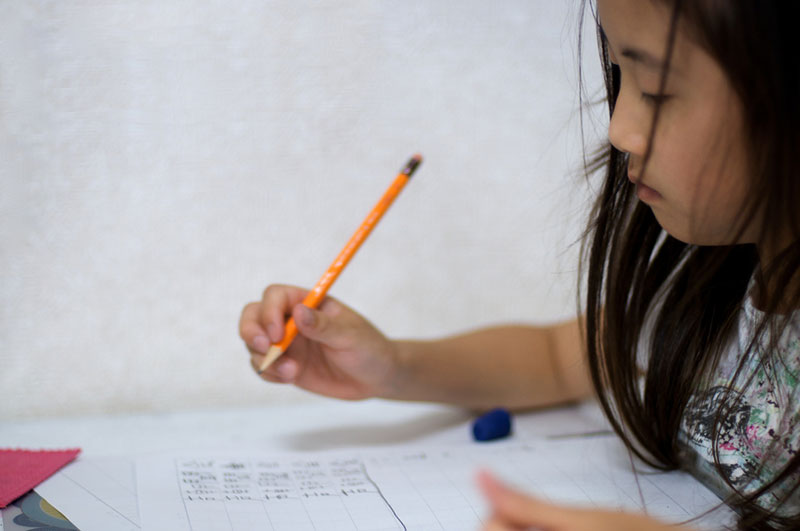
(315,325)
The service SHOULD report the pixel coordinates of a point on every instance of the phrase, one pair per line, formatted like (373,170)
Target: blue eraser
(495,424)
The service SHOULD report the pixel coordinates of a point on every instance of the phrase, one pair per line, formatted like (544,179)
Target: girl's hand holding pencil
(341,354)
(336,353)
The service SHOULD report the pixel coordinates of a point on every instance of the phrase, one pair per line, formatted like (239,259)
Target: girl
(691,333)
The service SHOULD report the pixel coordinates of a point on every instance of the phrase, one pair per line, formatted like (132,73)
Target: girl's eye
(654,99)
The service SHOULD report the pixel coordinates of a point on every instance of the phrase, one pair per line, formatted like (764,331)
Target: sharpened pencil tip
(273,353)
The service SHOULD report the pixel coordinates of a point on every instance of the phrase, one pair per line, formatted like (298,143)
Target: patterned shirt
(761,432)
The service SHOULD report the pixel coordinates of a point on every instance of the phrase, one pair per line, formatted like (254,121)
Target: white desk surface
(312,425)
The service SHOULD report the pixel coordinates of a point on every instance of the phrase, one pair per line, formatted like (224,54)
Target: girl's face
(696,179)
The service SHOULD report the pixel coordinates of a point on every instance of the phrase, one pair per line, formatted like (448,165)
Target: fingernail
(306,316)
(260,344)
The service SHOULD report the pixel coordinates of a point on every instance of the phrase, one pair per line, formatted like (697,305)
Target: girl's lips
(646,194)
(643,192)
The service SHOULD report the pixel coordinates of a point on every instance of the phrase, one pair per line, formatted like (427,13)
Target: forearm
(512,366)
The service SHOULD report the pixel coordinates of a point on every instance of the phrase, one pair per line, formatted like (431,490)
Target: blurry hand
(513,510)
(336,353)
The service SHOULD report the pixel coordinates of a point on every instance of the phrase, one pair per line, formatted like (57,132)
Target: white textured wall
(162,161)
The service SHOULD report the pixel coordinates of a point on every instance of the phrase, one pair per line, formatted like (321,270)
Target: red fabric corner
(21,470)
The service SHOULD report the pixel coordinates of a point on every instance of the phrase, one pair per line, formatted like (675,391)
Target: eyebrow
(642,57)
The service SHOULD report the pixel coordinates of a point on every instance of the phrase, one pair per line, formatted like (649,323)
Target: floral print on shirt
(759,431)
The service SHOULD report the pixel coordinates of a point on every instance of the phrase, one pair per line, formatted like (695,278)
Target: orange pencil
(315,296)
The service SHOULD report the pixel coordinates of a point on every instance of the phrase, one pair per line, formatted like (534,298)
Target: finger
(496,525)
(284,370)
(321,326)
(515,508)
(276,305)
(250,329)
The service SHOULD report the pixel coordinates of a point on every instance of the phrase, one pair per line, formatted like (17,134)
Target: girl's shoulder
(767,339)
(756,387)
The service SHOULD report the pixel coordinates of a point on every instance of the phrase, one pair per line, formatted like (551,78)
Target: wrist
(396,385)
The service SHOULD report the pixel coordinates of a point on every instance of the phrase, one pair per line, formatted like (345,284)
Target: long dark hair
(629,261)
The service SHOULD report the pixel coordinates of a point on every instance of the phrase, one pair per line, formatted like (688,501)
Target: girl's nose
(629,126)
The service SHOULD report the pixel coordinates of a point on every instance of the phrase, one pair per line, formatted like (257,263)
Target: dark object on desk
(31,512)
(495,424)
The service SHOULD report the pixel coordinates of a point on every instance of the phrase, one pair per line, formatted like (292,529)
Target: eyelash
(651,99)
(654,99)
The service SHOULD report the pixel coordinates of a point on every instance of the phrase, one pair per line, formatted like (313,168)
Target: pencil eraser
(495,424)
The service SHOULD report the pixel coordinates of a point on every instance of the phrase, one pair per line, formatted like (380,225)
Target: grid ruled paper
(403,489)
